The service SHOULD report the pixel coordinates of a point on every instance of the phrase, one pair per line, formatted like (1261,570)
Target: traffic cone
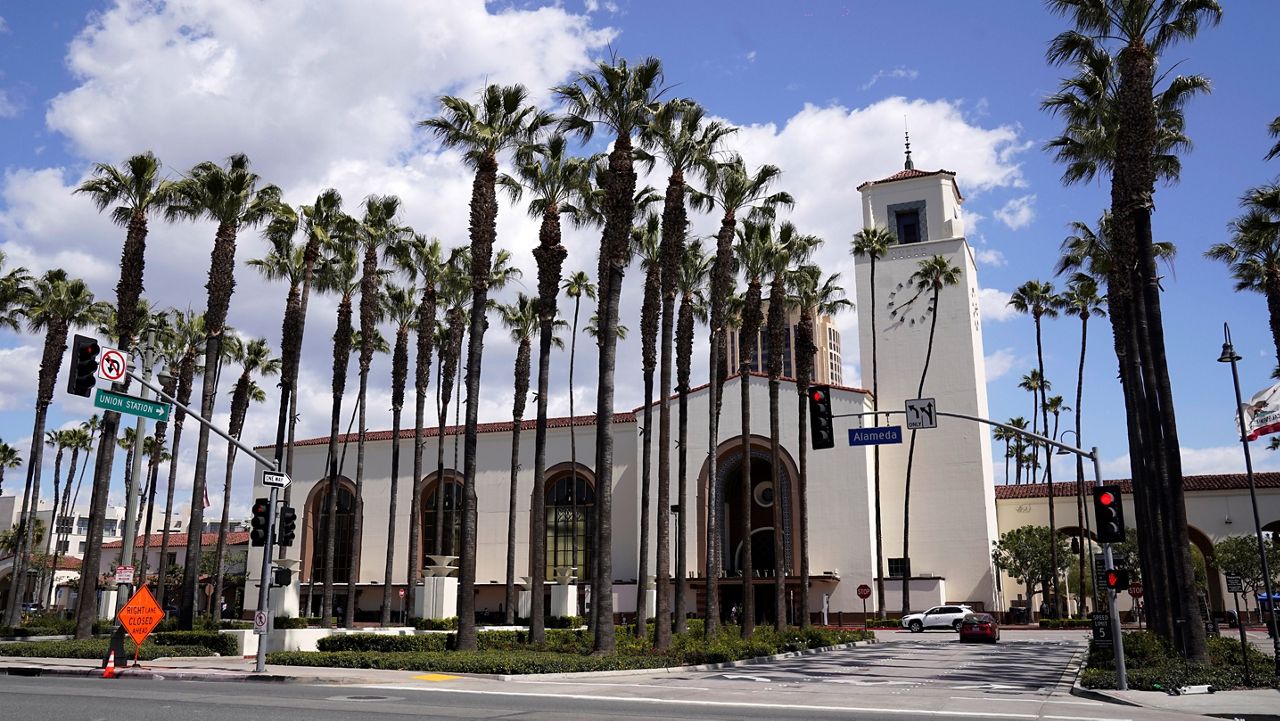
(110,670)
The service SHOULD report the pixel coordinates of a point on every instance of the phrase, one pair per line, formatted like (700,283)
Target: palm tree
(1034,383)
(1018,445)
(577,285)
(621,98)
(401,308)
(931,276)
(255,359)
(645,243)
(453,291)
(501,121)
(58,440)
(558,183)
(133,191)
(378,229)
(55,304)
(790,250)
(187,341)
(78,441)
(733,190)
(681,136)
(691,281)
(420,257)
(873,244)
(1273,129)
(1253,253)
(342,271)
(9,458)
(1081,300)
(154,448)
(230,197)
(14,284)
(1141,32)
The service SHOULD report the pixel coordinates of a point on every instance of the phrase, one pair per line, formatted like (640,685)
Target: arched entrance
(1210,569)
(315,537)
(441,509)
(569,499)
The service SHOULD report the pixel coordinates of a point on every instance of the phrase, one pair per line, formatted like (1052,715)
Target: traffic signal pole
(264,580)
(1122,677)
(148,355)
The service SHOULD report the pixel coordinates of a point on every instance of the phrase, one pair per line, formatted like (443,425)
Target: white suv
(947,617)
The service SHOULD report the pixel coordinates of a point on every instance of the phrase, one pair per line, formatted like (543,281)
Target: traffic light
(285,526)
(260,526)
(281,576)
(1109,513)
(1117,579)
(81,377)
(824,435)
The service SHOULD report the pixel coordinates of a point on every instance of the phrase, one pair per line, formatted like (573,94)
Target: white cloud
(1000,362)
(4,26)
(989,256)
(592,5)
(1202,461)
(899,73)
(994,305)
(17,375)
(751,56)
(1018,212)
(8,108)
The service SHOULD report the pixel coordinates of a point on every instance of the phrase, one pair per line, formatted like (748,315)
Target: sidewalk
(1252,705)
(204,668)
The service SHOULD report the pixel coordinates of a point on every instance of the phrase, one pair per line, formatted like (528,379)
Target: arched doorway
(569,499)
(1210,569)
(441,509)
(316,536)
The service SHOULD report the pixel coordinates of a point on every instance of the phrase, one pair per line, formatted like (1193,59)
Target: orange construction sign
(141,615)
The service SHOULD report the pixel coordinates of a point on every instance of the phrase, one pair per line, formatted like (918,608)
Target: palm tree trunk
(399,376)
(748,572)
(594,552)
(60,510)
(1048,475)
(30,498)
(186,376)
(341,357)
(191,569)
(720,281)
(646,470)
(1082,520)
(239,409)
(875,454)
(517,415)
(87,601)
(911,457)
(684,357)
(422,374)
(779,550)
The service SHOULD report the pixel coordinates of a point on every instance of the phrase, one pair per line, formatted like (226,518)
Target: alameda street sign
(875,436)
(121,403)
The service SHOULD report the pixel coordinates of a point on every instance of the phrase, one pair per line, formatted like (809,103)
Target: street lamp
(1229,355)
(1085,533)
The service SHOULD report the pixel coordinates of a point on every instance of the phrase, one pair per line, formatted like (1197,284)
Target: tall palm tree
(1140,32)
(788,252)
(557,183)
(733,190)
(577,285)
(1018,447)
(1081,299)
(1038,299)
(78,441)
(378,229)
(645,243)
(420,257)
(231,197)
(1033,382)
(454,288)
(621,98)
(184,354)
(9,458)
(1273,129)
(14,285)
(59,441)
(255,359)
(681,136)
(166,335)
(873,244)
(691,282)
(54,305)
(931,276)
(342,271)
(402,310)
(133,192)
(1253,253)
(501,121)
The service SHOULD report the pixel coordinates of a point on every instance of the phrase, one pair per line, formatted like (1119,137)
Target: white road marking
(1027,700)
(746,677)
(739,704)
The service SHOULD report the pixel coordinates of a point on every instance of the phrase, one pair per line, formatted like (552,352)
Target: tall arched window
(342,539)
(450,519)
(569,523)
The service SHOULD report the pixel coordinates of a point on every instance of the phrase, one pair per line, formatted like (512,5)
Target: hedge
(1066,623)
(95,648)
(436,624)
(220,643)
(884,623)
(1153,665)
(494,662)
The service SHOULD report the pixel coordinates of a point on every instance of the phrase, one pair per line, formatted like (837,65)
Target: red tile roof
(1218,482)
(754,374)
(911,174)
(179,540)
(498,427)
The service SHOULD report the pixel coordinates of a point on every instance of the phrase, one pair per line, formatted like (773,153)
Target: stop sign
(864,591)
(1135,589)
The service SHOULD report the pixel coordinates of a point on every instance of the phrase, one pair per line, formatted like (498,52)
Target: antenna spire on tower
(907,165)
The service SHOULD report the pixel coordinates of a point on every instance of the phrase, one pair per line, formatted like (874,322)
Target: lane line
(741,704)
(1027,700)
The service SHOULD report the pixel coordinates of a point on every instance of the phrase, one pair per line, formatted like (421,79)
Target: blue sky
(322,95)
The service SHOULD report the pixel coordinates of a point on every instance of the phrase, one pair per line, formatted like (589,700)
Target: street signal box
(1117,579)
(285,528)
(84,366)
(823,433)
(260,526)
(1109,513)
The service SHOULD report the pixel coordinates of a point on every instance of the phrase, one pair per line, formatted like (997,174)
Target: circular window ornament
(763,494)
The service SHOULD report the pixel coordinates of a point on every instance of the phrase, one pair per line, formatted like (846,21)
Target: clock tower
(952,503)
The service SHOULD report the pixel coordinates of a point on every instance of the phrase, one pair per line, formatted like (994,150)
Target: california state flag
(1262,413)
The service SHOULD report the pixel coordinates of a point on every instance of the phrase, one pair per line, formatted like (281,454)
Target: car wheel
(915,626)
(955,625)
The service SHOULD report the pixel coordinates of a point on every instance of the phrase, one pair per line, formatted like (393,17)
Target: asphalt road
(910,677)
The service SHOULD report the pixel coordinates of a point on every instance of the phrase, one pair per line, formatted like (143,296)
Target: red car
(979,627)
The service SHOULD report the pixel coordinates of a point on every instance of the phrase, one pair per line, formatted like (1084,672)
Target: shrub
(95,648)
(382,643)
(884,623)
(19,632)
(1066,623)
(219,643)
(436,624)
(288,622)
(1153,665)
(565,622)
(493,662)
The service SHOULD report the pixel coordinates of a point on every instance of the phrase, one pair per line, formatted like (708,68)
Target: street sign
(121,403)
(112,364)
(1135,589)
(274,479)
(141,614)
(921,413)
(864,591)
(124,574)
(1102,629)
(1235,584)
(875,436)
(260,623)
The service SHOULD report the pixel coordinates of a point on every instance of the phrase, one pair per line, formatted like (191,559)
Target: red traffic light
(1106,498)
(819,396)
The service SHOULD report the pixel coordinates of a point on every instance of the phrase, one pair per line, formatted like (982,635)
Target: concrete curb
(1094,694)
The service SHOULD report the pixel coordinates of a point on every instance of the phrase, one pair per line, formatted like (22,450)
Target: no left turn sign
(111,365)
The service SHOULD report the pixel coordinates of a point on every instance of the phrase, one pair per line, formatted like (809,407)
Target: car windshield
(978,618)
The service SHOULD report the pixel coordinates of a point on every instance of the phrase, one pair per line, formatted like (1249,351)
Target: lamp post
(1229,355)
(1085,533)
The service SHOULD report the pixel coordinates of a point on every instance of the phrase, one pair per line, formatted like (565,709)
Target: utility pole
(147,353)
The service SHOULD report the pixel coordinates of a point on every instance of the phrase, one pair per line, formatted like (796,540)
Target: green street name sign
(121,403)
